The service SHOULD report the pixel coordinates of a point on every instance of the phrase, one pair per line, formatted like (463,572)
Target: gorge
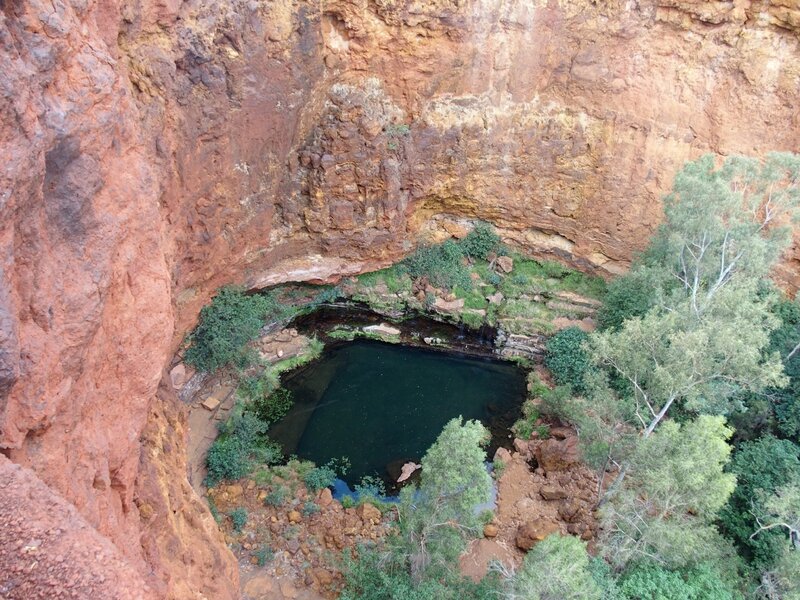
(157,150)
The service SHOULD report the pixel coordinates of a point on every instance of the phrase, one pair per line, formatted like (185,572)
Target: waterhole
(381,405)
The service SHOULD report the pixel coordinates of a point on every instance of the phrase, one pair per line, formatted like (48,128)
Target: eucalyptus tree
(436,518)
(687,348)
(665,513)
(556,568)
(704,335)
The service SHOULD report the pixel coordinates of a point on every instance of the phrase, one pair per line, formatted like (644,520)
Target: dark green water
(382,405)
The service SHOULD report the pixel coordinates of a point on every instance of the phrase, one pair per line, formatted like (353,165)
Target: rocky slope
(156,149)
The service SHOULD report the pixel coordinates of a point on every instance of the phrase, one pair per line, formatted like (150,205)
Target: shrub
(566,358)
(327,295)
(276,497)
(524,426)
(481,241)
(652,581)
(370,487)
(383,575)
(319,478)
(628,296)
(557,567)
(264,555)
(442,265)
(231,320)
(238,518)
(227,459)
(240,446)
(310,508)
(272,407)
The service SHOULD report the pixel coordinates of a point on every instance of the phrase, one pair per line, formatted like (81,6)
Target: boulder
(561,433)
(505,263)
(490,530)
(368,513)
(407,471)
(325,497)
(569,510)
(258,586)
(451,306)
(533,532)
(551,492)
(523,447)
(294,516)
(557,455)
(234,491)
(382,329)
(210,403)
(502,456)
(178,376)
(495,298)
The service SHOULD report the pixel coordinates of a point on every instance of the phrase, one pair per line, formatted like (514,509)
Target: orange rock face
(156,150)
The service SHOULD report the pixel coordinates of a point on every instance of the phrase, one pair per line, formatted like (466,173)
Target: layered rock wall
(157,149)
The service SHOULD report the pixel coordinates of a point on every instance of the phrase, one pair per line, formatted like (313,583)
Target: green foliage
(394,277)
(327,295)
(324,476)
(370,487)
(701,364)
(472,320)
(238,518)
(761,467)
(629,296)
(272,407)
(481,241)
(721,223)
(319,478)
(397,130)
(498,467)
(212,508)
(383,575)
(786,402)
(420,560)
(241,445)
(557,567)
(435,519)
(310,508)
(264,555)
(567,358)
(666,507)
(443,265)
(654,582)
(704,338)
(525,426)
(532,276)
(276,497)
(781,581)
(231,320)
(782,513)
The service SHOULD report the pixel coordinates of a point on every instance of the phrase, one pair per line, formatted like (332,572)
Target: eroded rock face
(155,150)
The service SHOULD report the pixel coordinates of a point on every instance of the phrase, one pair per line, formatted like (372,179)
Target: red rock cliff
(157,149)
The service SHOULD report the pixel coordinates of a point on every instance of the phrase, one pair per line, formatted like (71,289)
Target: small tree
(665,510)
(557,567)
(728,222)
(436,519)
(420,561)
(672,356)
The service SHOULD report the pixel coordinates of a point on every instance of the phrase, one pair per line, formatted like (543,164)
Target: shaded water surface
(381,405)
